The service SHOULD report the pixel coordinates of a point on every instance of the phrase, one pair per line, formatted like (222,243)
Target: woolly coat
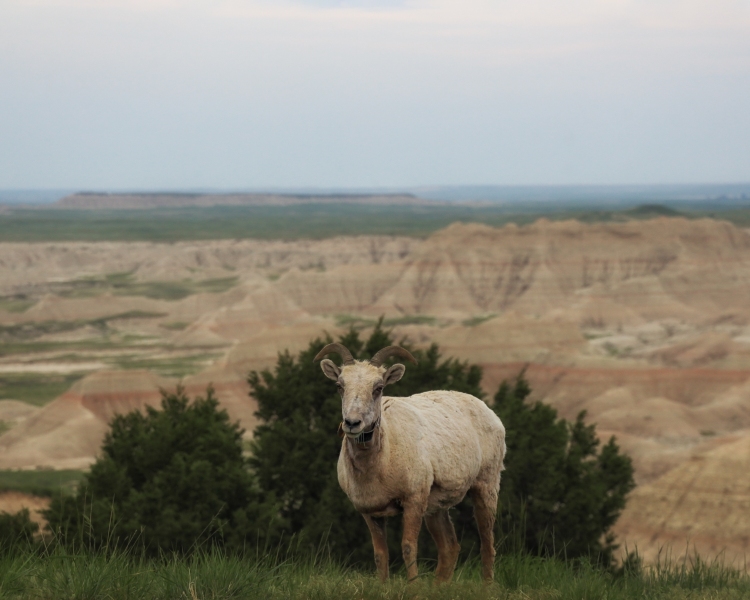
(431,449)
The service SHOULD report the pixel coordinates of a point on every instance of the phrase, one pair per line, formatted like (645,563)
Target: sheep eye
(339,386)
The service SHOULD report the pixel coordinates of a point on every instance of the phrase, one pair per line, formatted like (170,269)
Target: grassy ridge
(293,222)
(62,576)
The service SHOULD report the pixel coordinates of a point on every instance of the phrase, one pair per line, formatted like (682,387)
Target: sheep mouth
(361,437)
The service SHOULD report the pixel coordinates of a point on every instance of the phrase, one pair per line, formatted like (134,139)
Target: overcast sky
(114,94)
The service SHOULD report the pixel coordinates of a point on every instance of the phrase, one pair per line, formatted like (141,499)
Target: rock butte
(643,324)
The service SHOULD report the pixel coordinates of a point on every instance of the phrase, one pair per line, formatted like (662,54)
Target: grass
(131,314)
(123,284)
(16,304)
(313,221)
(35,388)
(91,345)
(612,350)
(211,576)
(31,330)
(39,388)
(173,366)
(43,482)
(363,322)
(36,329)
(359,323)
(478,320)
(175,325)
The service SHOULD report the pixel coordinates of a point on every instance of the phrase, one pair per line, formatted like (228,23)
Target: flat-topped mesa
(419,455)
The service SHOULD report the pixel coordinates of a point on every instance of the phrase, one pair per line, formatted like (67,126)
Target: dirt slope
(699,506)
(67,433)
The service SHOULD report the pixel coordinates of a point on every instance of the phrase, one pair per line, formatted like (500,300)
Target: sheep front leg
(379,544)
(413,514)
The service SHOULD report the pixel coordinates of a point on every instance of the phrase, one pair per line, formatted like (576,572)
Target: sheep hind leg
(441,529)
(485,508)
(379,544)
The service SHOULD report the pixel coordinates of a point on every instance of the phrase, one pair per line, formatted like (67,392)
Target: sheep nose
(352,424)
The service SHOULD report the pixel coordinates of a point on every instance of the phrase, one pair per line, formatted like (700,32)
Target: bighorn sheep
(420,455)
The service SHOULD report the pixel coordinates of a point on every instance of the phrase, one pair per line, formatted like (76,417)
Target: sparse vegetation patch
(124,284)
(478,320)
(16,304)
(35,388)
(36,329)
(175,325)
(359,323)
(171,366)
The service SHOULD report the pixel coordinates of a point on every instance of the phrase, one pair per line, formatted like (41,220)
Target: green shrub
(560,493)
(166,481)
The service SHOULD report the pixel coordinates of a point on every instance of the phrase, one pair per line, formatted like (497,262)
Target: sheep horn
(383,354)
(338,349)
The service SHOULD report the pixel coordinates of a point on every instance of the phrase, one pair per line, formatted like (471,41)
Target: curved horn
(338,349)
(383,354)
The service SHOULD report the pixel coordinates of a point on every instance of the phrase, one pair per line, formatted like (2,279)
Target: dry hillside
(644,324)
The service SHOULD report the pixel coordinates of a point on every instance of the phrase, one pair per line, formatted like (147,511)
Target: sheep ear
(393,374)
(330,369)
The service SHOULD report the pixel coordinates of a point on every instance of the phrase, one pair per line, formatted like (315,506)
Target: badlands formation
(643,324)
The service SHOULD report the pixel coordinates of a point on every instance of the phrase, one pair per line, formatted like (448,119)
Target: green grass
(4,426)
(82,349)
(31,330)
(36,329)
(16,348)
(24,338)
(175,325)
(40,482)
(178,366)
(123,284)
(37,388)
(210,576)
(612,350)
(313,221)
(16,304)
(363,322)
(478,320)
(131,314)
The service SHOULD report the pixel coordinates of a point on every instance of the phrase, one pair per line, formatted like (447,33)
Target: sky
(253,94)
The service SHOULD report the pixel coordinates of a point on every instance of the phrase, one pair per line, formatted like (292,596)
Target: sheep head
(361,384)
